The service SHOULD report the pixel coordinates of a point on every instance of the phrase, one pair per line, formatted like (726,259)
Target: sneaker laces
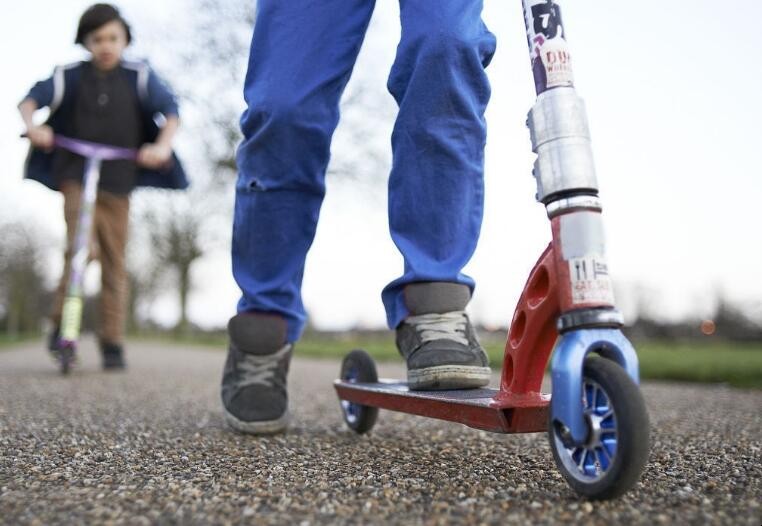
(260,370)
(446,326)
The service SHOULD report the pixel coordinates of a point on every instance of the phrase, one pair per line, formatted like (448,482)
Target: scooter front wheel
(616,449)
(358,367)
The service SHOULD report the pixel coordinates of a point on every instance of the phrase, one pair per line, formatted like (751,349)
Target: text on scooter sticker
(590,281)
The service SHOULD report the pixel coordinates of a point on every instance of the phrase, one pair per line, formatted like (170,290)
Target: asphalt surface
(150,446)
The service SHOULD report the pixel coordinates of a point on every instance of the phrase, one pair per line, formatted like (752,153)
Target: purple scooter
(71,317)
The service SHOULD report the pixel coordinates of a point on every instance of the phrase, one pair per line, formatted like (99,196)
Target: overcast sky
(673,96)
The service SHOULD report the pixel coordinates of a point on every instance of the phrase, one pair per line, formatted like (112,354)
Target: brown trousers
(108,245)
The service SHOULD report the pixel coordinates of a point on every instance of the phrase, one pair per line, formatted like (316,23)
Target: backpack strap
(142,72)
(63,75)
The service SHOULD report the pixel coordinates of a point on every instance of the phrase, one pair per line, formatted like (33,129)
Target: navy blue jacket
(59,92)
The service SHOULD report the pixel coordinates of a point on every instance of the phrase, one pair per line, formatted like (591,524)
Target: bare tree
(143,281)
(735,321)
(175,241)
(23,294)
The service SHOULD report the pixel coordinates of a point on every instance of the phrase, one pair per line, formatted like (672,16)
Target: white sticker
(556,58)
(590,281)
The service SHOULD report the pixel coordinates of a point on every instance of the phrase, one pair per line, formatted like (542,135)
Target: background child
(111,101)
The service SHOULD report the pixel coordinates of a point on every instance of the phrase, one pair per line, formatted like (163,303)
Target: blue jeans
(302,54)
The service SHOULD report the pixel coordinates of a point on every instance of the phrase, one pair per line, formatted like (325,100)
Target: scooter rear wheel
(612,459)
(358,367)
(65,359)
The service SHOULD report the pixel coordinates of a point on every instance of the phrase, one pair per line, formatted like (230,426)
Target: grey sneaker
(438,341)
(254,395)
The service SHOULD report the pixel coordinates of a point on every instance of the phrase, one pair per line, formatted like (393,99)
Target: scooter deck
(486,409)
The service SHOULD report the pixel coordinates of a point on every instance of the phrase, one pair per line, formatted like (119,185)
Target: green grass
(9,341)
(739,365)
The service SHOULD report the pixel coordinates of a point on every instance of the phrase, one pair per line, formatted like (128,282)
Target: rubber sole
(265,427)
(444,377)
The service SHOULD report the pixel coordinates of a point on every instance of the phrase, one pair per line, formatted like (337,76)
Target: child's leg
(111,227)
(302,54)
(436,189)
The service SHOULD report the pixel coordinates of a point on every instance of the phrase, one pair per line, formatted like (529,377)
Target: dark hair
(96,16)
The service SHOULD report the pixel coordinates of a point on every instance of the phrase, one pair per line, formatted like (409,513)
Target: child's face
(106,44)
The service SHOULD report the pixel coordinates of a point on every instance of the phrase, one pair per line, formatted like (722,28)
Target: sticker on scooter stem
(556,58)
(590,281)
(551,58)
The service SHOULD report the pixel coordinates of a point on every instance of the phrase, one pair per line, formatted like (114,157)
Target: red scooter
(596,419)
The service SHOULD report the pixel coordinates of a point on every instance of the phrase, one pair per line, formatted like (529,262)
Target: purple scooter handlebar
(93,150)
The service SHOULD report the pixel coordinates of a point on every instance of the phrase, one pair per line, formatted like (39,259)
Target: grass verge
(7,341)
(739,365)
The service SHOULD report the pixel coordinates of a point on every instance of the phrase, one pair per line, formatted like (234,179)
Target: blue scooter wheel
(615,452)
(358,367)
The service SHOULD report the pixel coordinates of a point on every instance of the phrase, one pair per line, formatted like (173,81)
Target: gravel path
(150,446)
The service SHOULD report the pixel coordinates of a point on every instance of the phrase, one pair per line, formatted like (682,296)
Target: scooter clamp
(561,139)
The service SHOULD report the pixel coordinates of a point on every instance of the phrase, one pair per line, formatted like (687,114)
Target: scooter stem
(71,315)
(565,175)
